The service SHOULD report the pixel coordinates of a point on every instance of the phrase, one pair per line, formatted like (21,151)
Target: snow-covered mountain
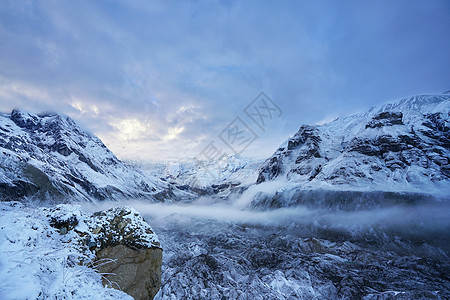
(204,176)
(400,147)
(48,156)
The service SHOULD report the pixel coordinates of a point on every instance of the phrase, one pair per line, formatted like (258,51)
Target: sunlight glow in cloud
(131,129)
(173,133)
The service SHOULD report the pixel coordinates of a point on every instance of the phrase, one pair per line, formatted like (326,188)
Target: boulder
(127,252)
(128,242)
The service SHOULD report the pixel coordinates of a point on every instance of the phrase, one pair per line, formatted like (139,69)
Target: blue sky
(161,80)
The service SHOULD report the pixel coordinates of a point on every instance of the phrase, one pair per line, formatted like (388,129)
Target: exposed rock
(123,236)
(23,119)
(135,271)
(385,118)
(305,144)
(336,200)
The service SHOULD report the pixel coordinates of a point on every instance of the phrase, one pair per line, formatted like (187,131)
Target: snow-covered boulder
(128,249)
(63,250)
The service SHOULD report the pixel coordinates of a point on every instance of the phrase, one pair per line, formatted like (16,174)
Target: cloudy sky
(162,80)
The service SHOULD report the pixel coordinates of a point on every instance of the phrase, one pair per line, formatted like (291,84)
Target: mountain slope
(48,156)
(403,146)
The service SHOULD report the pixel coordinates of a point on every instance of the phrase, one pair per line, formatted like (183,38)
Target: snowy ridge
(49,156)
(403,146)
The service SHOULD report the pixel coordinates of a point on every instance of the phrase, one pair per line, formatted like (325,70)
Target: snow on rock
(58,252)
(122,225)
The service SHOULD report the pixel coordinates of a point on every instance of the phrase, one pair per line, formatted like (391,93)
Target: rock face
(137,272)
(403,146)
(385,118)
(47,156)
(127,251)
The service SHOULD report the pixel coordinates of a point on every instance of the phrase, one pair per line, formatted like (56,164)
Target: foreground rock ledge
(128,253)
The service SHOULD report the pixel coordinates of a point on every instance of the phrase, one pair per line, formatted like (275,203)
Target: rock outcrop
(123,236)
(127,251)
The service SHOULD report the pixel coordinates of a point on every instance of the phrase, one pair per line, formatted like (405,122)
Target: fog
(423,217)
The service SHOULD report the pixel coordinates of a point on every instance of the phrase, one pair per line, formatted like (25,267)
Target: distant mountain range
(204,176)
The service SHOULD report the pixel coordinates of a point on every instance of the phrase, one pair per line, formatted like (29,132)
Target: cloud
(85,109)
(173,133)
(197,64)
(131,129)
